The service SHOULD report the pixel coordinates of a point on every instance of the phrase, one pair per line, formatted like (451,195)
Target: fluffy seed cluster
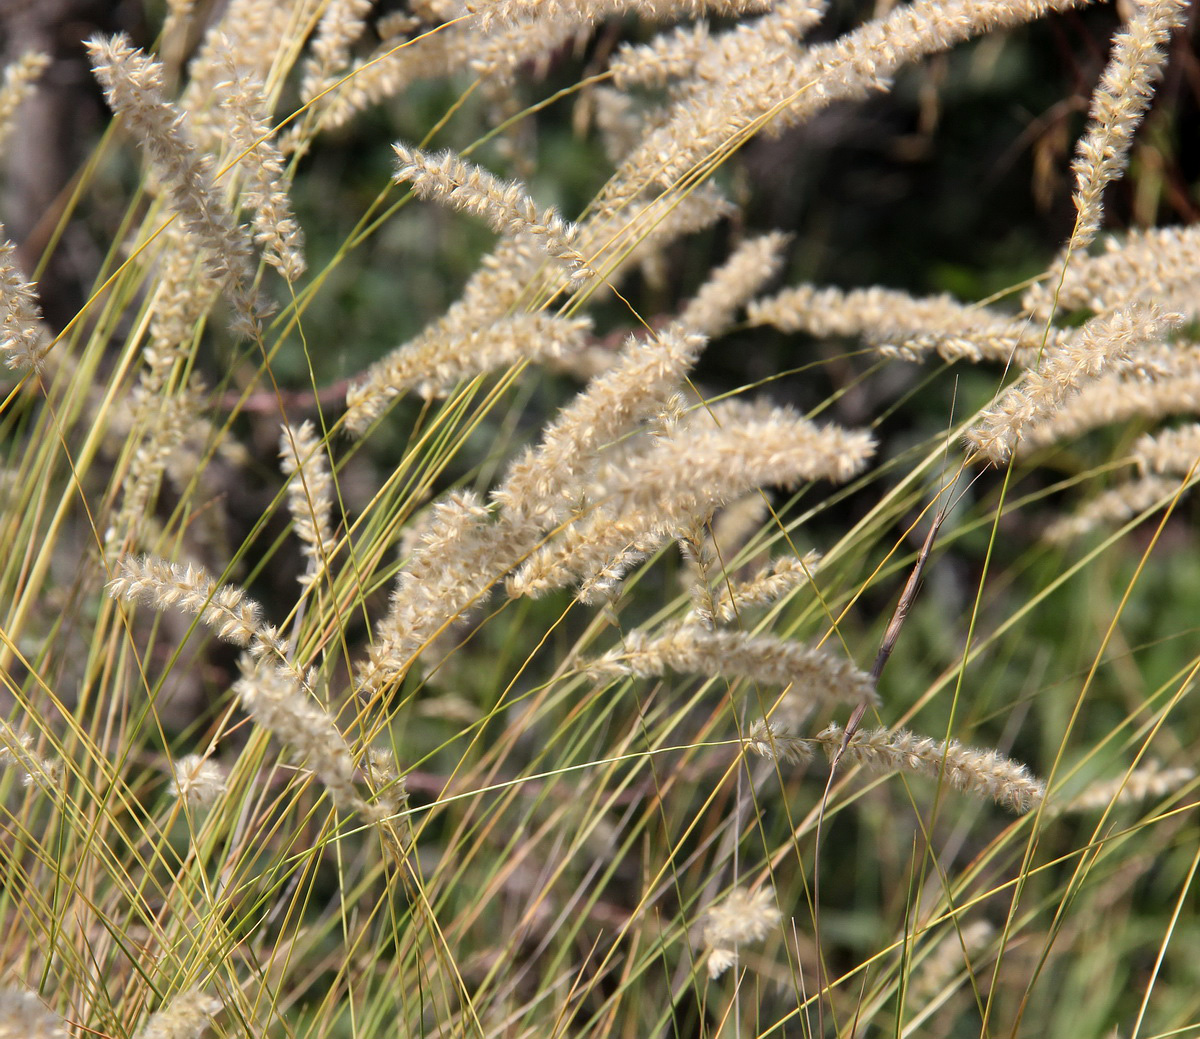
(491,12)
(24,1016)
(959,950)
(752,264)
(240,96)
(815,674)
(775,743)
(1108,343)
(900,325)
(506,207)
(185,1017)
(1153,266)
(462,555)
(17,751)
(225,608)
(1118,104)
(198,780)
(17,84)
(310,495)
(133,85)
(341,24)
(985,772)
(282,706)
(457,344)
(740,918)
(1114,506)
(271,689)
(1134,787)
(1174,451)
(24,338)
(673,481)
(544,481)
(631,465)
(779,579)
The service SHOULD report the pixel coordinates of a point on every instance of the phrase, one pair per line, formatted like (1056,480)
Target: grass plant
(507,673)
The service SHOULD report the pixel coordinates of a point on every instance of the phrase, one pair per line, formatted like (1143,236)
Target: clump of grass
(535,583)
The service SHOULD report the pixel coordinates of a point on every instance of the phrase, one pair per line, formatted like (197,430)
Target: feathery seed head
(24,1016)
(775,743)
(185,1017)
(740,918)
(199,781)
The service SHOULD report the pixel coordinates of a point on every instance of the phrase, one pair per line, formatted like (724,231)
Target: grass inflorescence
(503,667)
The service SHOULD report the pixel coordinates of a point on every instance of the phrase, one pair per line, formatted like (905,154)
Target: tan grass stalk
(544,482)
(968,769)
(1173,451)
(1158,265)
(24,337)
(1107,343)
(505,206)
(20,76)
(310,496)
(901,325)
(495,288)
(342,22)
(781,578)
(1118,105)
(464,553)
(133,85)
(241,99)
(742,917)
(816,674)
(753,263)
(1114,506)
(1144,783)
(432,365)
